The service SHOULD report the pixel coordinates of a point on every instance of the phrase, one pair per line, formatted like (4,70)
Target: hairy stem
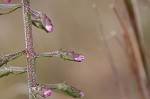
(5,71)
(29,46)
(5,6)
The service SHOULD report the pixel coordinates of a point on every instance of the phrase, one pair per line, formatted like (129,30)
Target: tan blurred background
(75,28)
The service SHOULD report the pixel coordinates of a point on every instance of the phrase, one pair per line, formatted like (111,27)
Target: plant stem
(29,46)
(5,6)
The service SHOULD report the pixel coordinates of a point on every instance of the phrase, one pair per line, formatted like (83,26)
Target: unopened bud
(70,90)
(77,57)
(43,91)
(49,27)
(81,94)
(46,22)
(46,92)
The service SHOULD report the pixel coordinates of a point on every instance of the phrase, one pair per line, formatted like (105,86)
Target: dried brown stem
(132,50)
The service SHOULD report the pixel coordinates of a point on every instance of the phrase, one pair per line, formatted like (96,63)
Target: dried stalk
(139,31)
(132,50)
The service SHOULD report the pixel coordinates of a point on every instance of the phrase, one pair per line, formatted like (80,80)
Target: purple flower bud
(43,91)
(70,55)
(46,92)
(46,22)
(8,1)
(81,94)
(79,58)
(49,27)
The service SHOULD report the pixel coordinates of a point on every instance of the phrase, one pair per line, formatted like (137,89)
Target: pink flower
(43,91)
(49,27)
(8,1)
(79,58)
(81,94)
(46,92)
(47,24)
(76,57)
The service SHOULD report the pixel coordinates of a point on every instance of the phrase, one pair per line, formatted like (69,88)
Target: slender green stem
(29,46)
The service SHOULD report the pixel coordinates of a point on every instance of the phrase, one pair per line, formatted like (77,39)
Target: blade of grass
(132,50)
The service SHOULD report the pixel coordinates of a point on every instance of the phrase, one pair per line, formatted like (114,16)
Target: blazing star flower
(8,1)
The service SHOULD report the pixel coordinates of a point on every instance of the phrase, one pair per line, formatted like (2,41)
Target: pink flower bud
(43,91)
(49,27)
(79,58)
(81,94)
(74,56)
(46,92)
(8,1)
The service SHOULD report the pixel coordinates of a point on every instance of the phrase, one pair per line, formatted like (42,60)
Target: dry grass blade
(118,79)
(132,50)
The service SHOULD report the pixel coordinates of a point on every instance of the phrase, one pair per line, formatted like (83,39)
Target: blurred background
(75,28)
